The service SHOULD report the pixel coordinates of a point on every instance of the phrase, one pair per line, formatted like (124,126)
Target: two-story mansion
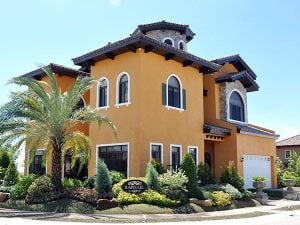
(167,102)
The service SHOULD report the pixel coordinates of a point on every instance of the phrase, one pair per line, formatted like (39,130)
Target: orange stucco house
(167,102)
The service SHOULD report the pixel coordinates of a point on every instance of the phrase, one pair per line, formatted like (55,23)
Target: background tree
(45,117)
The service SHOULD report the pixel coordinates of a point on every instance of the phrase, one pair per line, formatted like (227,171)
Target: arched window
(236,107)
(123,89)
(80,104)
(168,41)
(103,93)
(181,45)
(174,89)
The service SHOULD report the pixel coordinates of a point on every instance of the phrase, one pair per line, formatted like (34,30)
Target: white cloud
(287,132)
(115,2)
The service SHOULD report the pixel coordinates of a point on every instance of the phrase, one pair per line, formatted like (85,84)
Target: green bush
(41,190)
(176,194)
(205,174)
(6,189)
(158,166)
(11,175)
(89,183)
(231,176)
(116,176)
(280,170)
(220,198)
(152,178)
(4,159)
(247,195)
(20,189)
(190,170)
(71,183)
(149,197)
(102,180)
(2,174)
(173,180)
(227,188)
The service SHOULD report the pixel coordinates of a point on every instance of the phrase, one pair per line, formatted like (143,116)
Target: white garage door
(257,165)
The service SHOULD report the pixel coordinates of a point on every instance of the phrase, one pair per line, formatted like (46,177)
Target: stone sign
(134,186)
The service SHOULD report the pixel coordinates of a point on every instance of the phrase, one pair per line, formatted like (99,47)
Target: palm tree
(42,116)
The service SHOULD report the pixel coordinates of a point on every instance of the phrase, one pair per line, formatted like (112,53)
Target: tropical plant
(45,117)
(102,180)
(71,183)
(152,177)
(259,178)
(89,183)
(190,170)
(20,189)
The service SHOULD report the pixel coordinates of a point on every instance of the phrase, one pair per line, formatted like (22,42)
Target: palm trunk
(56,168)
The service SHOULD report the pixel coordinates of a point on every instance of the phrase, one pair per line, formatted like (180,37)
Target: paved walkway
(272,207)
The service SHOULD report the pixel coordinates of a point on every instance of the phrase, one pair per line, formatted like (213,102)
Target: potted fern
(259,182)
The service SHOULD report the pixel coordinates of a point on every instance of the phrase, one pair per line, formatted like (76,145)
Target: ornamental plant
(11,175)
(190,170)
(231,176)
(205,174)
(152,177)
(20,189)
(259,178)
(102,181)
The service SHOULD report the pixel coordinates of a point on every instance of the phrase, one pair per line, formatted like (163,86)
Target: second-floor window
(103,93)
(236,107)
(174,92)
(123,89)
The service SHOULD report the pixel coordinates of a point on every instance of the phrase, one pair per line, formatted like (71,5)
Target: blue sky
(265,33)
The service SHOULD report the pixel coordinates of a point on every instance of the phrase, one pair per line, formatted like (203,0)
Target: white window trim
(171,39)
(167,97)
(197,153)
(180,155)
(114,144)
(245,108)
(28,157)
(117,90)
(285,151)
(161,152)
(184,45)
(107,94)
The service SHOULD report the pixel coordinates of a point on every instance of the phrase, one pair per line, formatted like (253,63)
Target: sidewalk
(272,207)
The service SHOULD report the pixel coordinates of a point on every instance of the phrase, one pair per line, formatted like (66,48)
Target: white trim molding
(98,93)
(181,95)
(161,150)
(180,155)
(117,90)
(245,107)
(114,144)
(197,152)
(169,38)
(28,159)
(285,151)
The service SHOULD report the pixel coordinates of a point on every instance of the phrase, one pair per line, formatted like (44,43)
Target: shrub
(158,166)
(71,183)
(41,190)
(2,174)
(247,195)
(205,174)
(231,176)
(220,198)
(173,180)
(11,175)
(90,196)
(152,178)
(102,180)
(175,194)
(280,170)
(89,183)
(288,175)
(190,170)
(6,189)
(20,189)
(116,176)
(294,163)
(149,197)
(227,188)
(4,159)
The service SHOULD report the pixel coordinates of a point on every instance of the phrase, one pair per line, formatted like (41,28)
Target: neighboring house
(285,147)
(167,102)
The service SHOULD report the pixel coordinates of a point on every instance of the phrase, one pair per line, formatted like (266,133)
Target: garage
(257,165)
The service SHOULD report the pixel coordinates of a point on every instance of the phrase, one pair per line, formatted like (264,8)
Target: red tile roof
(292,141)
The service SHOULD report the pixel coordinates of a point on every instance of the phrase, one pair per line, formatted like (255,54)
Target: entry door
(257,165)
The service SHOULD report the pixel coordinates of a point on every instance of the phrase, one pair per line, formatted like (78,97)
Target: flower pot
(259,186)
(290,183)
